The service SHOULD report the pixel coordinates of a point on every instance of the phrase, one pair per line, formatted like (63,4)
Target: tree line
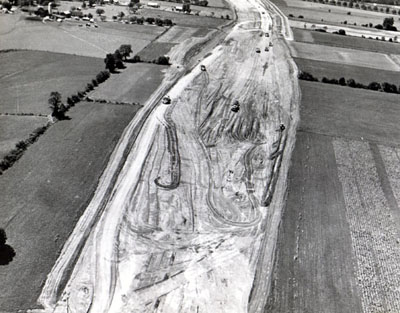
(375,86)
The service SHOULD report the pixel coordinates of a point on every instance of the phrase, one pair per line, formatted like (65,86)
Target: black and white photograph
(200,156)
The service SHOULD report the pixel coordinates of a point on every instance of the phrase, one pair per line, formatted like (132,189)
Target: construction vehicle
(203,68)
(166,100)
(235,106)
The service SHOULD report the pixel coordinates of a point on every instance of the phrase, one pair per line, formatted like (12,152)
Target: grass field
(135,84)
(45,192)
(338,249)
(310,36)
(343,56)
(350,113)
(16,128)
(155,50)
(30,76)
(18,33)
(362,75)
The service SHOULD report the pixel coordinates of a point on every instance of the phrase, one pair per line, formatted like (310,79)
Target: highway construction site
(191,221)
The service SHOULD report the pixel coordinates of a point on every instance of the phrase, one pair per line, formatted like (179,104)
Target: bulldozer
(235,107)
(166,100)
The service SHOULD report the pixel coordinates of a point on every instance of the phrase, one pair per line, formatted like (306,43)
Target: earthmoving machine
(166,100)
(235,106)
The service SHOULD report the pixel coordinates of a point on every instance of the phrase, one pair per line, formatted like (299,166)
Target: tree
(351,83)
(342,81)
(99,11)
(186,7)
(110,62)
(374,86)
(83,5)
(3,237)
(7,5)
(118,59)
(55,104)
(136,59)
(387,87)
(163,60)
(167,22)
(388,24)
(150,20)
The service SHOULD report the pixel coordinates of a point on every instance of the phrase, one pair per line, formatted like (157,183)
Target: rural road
(191,221)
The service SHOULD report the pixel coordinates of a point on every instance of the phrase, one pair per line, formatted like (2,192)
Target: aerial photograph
(200,156)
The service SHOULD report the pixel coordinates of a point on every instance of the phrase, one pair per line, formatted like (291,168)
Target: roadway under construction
(192,219)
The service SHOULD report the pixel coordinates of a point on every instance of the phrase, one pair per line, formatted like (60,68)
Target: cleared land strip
(131,259)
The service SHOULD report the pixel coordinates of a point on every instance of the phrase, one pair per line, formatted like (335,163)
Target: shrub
(163,60)
(351,83)
(75,99)
(342,81)
(150,20)
(374,86)
(136,59)
(168,22)
(307,76)
(387,87)
(21,145)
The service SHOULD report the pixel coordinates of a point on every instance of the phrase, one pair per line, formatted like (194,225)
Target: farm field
(45,192)
(339,230)
(315,267)
(220,8)
(317,12)
(360,74)
(175,35)
(16,128)
(350,113)
(344,56)
(16,32)
(134,84)
(31,76)
(349,42)
(155,50)
(182,19)
(209,10)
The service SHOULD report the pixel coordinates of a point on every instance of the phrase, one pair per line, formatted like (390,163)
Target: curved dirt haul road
(206,245)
